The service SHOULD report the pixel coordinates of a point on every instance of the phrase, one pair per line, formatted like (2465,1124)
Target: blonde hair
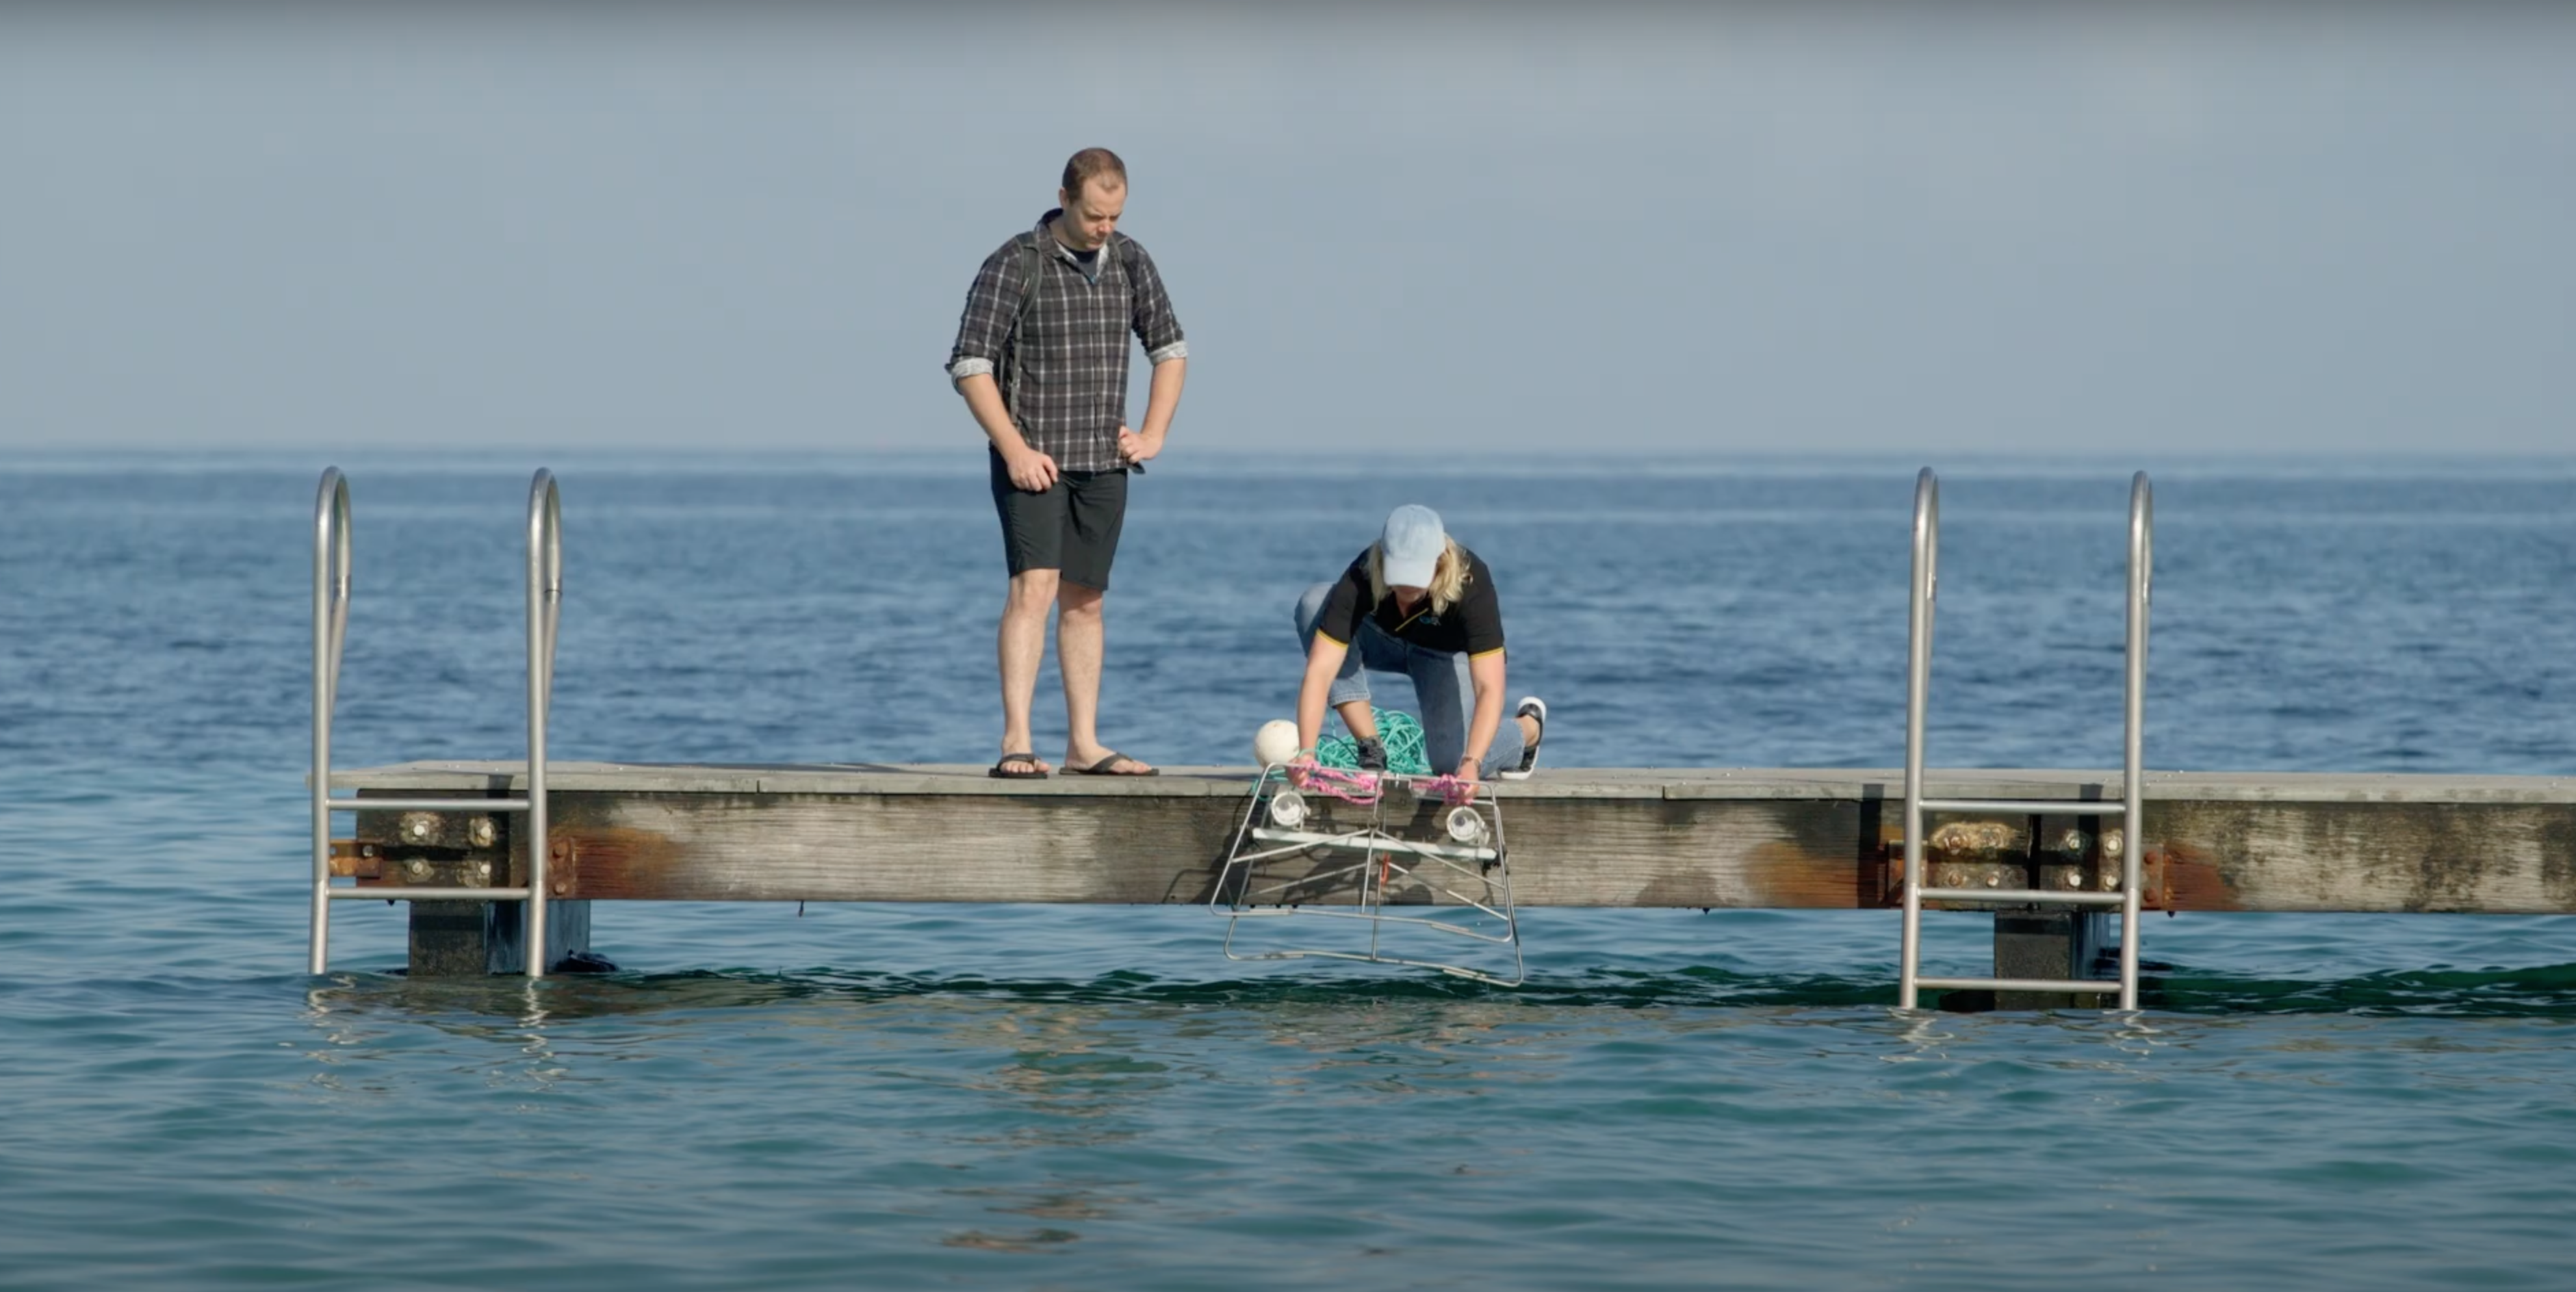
(1448,578)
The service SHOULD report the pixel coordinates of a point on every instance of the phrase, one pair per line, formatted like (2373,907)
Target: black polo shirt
(1474,625)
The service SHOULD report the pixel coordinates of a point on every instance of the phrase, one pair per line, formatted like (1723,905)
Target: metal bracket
(350,857)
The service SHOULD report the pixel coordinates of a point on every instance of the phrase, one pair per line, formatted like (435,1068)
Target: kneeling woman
(1416,603)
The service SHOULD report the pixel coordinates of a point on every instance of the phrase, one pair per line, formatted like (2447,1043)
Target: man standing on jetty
(1041,358)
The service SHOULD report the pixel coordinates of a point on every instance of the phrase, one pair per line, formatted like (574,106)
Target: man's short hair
(1091,164)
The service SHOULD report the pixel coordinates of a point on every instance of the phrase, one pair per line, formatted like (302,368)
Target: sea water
(1031,1096)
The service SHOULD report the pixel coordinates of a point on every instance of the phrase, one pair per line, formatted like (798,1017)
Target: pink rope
(1349,787)
(1449,788)
(1364,787)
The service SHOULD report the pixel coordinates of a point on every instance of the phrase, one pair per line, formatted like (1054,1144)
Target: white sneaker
(1533,707)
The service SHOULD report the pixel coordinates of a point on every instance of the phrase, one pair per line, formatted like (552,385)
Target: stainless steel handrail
(545,604)
(461,803)
(2032,807)
(330,629)
(427,894)
(2070,986)
(331,570)
(1918,680)
(2019,897)
(2133,772)
(2131,808)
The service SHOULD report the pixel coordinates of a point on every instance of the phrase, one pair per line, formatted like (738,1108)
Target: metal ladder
(330,630)
(1918,678)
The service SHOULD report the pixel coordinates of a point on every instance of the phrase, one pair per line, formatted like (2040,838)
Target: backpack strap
(1034,262)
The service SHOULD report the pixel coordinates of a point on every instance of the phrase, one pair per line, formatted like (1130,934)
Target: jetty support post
(473,939)
(2048,944)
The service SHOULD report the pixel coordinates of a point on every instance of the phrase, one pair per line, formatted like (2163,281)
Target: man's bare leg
(1080,640)
(1022,644)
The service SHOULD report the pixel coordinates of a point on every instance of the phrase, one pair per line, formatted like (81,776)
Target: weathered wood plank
(1852,783)
(1737,837)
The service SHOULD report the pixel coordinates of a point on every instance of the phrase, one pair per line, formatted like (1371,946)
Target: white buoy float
(1275,745)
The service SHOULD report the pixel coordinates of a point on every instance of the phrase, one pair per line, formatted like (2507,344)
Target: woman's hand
(1468,769)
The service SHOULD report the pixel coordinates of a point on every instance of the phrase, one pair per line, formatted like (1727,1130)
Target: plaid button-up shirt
(1063,367)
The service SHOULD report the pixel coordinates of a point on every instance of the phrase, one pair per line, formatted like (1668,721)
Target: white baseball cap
(1411,545)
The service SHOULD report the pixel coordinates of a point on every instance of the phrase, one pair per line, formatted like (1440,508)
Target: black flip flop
(1027,763)
(1102,767)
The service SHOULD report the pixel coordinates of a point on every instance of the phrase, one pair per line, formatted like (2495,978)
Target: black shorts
(1072,527)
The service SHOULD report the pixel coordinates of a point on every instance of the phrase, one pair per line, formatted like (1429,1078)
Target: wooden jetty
(1708,838)
(1723,837)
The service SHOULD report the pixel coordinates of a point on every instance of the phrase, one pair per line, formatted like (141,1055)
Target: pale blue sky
(2304,230)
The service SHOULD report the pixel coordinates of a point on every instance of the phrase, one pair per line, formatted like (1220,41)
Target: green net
(1398,731)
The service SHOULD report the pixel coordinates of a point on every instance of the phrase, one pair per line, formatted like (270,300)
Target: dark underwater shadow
(2547,991)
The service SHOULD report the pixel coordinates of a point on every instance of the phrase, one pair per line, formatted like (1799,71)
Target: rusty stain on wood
(2181,877)
(352,858)
(612,861)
